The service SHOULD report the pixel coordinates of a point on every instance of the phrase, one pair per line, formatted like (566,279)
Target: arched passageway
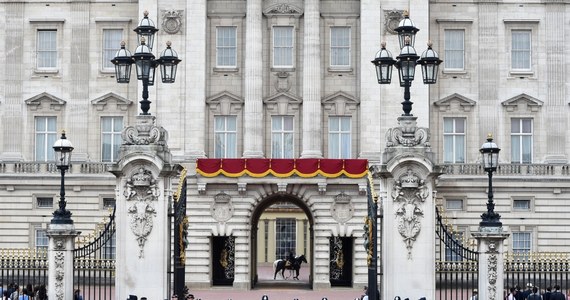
(281,224)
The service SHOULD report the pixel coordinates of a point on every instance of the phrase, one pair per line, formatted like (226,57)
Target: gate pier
(60,259)
(491,263)
(144,186)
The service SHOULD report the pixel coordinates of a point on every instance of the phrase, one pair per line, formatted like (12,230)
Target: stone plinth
(60,260)
(491,271)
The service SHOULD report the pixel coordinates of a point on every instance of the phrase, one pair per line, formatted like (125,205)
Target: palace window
(453,140)
(521,50)
(453,204)
(225,134)
(340,47)
(282,137)
(46,135)
(111,139)
(44,202)
(226,46)
(521,204)
(454,49)
(46,51)
(110,248)
(340,137)
(521,243)
(521,140)
(111,44)
(285,237)
(283,46)
(41,239)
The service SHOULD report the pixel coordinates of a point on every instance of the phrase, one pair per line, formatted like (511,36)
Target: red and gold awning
(302,167)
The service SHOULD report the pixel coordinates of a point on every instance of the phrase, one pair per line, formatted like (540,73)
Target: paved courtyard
(279,289)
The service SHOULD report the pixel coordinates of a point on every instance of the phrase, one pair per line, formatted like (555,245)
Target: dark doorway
(223,250)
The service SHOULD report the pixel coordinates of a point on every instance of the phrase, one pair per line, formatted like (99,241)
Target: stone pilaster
(60,260)
(194,58)
(488,73)
(491,270)
(312,125)
(556,77)
(13,78)
(370,96)
(78,69)
(253,80)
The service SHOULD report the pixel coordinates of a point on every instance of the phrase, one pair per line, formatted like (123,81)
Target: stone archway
(257,241)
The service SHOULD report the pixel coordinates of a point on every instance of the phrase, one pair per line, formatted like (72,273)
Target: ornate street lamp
(63,149)
(406,62)
(490,159)
(145,61)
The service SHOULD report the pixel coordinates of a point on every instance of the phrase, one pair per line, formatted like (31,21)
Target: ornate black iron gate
(94,264)
(223,251)
(341,261)
(180,238)
(456,267)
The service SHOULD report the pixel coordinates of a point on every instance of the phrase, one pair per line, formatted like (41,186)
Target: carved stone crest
(409,191)
(342,209)
(222,208)
(172,21)
(282,84)
(393,18)
(141,191)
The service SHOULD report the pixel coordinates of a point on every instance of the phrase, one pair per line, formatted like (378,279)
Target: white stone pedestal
(408,237)
(60,261)
(491,271)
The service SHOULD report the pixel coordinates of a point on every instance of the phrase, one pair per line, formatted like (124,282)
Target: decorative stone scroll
(492,270)
(393,18)
(145,132)
(141,190)
(409,191)
(407,134)
(283,9)
(59,247)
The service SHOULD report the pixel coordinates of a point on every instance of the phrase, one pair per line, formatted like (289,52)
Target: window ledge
(521,74)
(340,69)
(226,70)
(46,73)
(282,69)
(454,72)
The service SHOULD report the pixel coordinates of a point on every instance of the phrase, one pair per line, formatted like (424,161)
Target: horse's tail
(275,266)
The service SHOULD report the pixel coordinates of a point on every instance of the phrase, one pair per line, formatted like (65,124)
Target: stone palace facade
(288,79)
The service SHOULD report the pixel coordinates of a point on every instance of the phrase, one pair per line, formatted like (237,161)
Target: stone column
(491,267)
(312,125)
(60,261)
(253,80)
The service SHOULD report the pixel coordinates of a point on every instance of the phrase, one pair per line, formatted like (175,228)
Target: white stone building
(287,79)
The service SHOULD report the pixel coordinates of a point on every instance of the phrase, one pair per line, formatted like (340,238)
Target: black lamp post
(145,61)
(490,158)
(406,62)
(63,149)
